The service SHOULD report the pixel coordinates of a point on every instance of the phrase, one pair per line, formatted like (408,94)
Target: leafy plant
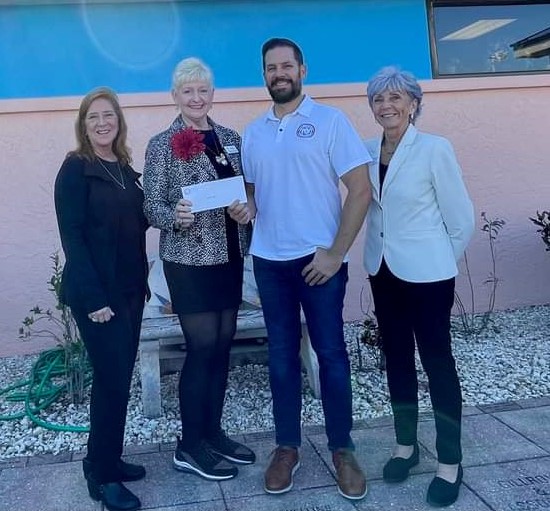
(371,338)
(471,323)
(543,221)
(60,325)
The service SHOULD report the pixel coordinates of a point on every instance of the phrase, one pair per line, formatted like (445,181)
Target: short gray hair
(392,78)
(191,70)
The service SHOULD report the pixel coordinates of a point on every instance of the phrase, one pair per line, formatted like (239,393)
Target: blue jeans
(282,291)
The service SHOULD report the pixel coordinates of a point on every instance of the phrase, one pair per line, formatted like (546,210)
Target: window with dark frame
(473,38)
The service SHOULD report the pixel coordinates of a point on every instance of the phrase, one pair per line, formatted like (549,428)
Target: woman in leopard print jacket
(202,256)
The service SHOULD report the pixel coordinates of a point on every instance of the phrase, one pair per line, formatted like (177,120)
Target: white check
(214,194)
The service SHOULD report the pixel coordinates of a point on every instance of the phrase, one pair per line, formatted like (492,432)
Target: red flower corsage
(187,143)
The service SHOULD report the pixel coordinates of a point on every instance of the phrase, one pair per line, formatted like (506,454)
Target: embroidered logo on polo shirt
(305,130)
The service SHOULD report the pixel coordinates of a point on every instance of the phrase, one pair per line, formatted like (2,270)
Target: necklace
(219,154)
(220,158)
(389,151)
(120,183)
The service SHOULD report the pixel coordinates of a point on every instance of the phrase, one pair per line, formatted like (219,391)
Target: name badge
(230,149)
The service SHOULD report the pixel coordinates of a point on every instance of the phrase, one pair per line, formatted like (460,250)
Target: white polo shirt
(295,164)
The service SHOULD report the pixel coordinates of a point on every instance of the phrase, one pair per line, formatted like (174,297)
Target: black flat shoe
(130,471)
(441,493)
(114,496)
(396,470)
(126,471)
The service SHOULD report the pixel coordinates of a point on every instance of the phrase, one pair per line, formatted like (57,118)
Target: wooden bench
(159,334)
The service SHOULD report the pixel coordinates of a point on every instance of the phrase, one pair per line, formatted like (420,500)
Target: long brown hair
(84,147)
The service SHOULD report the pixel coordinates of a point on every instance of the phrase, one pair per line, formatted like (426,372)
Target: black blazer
(88,217)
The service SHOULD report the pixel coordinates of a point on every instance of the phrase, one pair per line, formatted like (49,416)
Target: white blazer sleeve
(452,197)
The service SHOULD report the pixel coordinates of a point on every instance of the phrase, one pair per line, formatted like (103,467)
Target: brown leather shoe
(349,476)
(279,476)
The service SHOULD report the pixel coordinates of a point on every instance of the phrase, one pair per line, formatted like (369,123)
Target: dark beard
(281,97)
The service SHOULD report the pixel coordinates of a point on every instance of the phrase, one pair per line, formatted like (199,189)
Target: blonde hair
(191,69)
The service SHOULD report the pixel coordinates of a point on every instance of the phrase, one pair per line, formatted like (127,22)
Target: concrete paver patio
(506,468)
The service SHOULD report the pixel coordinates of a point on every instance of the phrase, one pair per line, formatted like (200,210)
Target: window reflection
(488,39)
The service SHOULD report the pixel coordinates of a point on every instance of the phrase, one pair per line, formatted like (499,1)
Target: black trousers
(112,349)
(406,312)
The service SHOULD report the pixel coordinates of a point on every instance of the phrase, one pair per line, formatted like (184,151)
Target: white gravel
(509,361)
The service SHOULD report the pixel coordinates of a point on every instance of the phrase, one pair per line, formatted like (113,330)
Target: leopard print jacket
(204,243)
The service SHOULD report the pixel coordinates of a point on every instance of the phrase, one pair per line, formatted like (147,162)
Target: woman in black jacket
(99,206)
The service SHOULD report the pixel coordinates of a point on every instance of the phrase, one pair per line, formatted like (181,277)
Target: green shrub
(543,222)
(59,324)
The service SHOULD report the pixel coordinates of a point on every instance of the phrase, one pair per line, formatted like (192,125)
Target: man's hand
(240,212)
(324,265)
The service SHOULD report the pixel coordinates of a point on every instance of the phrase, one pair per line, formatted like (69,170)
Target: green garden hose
(46,383)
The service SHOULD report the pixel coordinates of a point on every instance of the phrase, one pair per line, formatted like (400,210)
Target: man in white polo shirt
(293,158)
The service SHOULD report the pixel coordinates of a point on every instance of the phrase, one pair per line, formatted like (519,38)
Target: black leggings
(421,312)
(203,377)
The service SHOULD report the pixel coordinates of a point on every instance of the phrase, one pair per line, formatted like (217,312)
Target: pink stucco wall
(499,127)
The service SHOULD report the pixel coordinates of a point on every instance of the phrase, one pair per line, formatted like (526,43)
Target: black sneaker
(201,460)
(232,451)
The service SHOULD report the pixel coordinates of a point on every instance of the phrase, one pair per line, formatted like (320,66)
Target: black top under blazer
(88,215)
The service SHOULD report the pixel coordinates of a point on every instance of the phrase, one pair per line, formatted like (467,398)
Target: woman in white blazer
(418,225)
